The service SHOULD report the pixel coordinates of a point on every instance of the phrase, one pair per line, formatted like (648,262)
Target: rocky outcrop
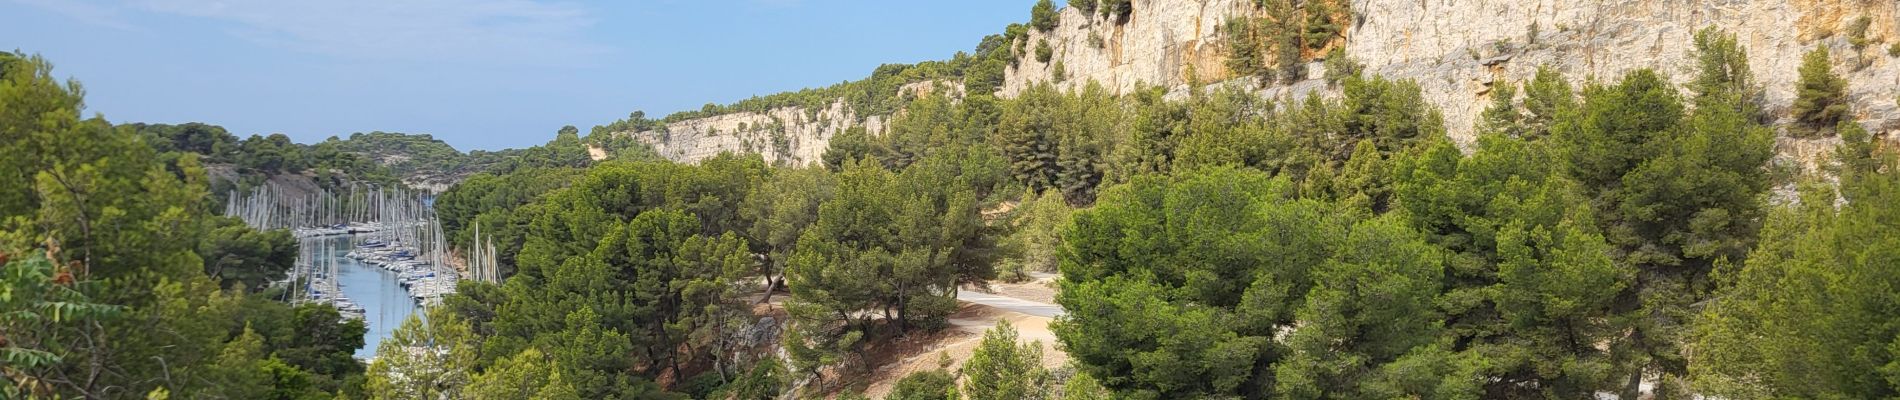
(1457,62)
(1457,51)
(1170,44)
(792,135)
(795,135)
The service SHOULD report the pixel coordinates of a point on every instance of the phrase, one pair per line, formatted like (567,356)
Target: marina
(377,255)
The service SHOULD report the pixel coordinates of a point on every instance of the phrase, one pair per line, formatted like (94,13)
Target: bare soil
(959,341)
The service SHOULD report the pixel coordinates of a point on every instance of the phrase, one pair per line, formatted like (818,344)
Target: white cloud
(487,31)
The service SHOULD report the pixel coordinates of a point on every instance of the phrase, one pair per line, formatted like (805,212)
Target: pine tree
(1820,96)
(1546,97)
(1002,369)
(936,384)
(1815,293)
(1723,71)
(1502,117)
(1042,16)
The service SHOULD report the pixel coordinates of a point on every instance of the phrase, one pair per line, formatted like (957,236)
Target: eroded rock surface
(1456,50)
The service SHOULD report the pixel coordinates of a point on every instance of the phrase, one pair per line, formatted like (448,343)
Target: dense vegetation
(119,283)
(258,158)
(1275,45)
(1593,239)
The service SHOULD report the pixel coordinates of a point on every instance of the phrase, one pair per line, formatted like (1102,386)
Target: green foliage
(492,199)
(210,141)
(633,266)
(565,151)
(985,77)
(780,210)
(1174,288)
(846,147)
(1043,52)
(1117,8)
(1082,386)
(1391,114)
(1371,305)
(932,124)
(937,384)
(1033,245)
(240,256)
(418,155)
(1820,96)
(765,381)
(1323,23)
(1547,96)
(425,360)
(1335,268)
(1723,71)
(1042,16)
(1532,282)
(1054,141)
(878,94)
(1857,33)
(527,375)
(114,298)
(891,242)
(1002,369)
(1502,117)
(1614,123)
(1810,315)
(1339,65)
(1856,154)
(887,244)
(636,121)
(1087,6)
(1678,193)
(1274,45)
(39,297)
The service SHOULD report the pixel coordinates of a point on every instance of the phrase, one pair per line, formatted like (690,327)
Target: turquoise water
(385,303)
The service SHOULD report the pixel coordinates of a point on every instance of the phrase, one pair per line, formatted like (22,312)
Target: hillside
(1456,51)
(421,160)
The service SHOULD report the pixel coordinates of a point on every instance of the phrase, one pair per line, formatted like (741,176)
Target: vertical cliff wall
(1456,50)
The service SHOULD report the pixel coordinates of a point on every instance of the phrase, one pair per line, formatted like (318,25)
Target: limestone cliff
(1456,50)
(791,134)
(794,135)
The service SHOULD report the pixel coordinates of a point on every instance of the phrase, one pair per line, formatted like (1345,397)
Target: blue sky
(480,74)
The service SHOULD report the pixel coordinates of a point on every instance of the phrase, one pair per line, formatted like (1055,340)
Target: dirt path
(1034,297)
(1010,304)
(967,327)
(1028,306)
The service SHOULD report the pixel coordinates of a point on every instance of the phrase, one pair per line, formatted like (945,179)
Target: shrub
(1340,66)
(1087,6)
(1857,33)
(1117,8)
(1043,52)
(1042,16)
(1820,96)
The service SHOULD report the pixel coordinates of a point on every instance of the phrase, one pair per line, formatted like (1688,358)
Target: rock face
(1162,43)
(1456,50)
(794,135)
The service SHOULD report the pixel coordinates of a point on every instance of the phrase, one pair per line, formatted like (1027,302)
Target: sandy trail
(967,327)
